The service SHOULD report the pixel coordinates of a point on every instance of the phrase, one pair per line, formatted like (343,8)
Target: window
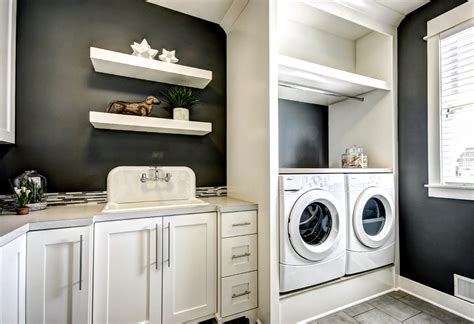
(457,107)
(450,52)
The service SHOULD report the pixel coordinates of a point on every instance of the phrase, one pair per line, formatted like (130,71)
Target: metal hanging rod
(312,89)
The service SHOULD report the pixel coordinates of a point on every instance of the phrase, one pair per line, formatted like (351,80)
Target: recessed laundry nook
(236,161)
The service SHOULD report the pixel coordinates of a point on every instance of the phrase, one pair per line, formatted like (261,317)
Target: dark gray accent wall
(57,87)
(303,135)
(436,235)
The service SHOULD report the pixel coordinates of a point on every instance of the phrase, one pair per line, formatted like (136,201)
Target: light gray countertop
(12,226)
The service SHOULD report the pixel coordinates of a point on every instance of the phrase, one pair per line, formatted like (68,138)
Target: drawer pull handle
(247,292)
(241,224)
(236,256)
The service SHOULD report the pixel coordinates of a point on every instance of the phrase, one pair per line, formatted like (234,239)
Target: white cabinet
(7,70)
(127,271)
(190,267)
(57,277)
(12,281)
(155,270)
(238,265)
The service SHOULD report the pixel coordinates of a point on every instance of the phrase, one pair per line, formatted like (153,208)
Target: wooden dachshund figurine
(133,108)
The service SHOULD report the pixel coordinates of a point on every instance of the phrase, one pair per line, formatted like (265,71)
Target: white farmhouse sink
(133,189)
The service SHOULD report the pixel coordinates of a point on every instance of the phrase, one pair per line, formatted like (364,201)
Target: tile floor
(395,307)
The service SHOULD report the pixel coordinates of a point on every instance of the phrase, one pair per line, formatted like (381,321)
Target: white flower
(28,192)
(17,191)
(23,189)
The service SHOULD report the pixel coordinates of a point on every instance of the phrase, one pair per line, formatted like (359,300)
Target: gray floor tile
(381,300)
(423,318)
(397,294)
(376,316)
(433,310)
(397,309)
(358,309)
(339,317)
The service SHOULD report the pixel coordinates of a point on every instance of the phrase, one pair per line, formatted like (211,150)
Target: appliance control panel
(311,181)
(361,181)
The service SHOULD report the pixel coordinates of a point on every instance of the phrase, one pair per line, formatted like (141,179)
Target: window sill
(462,192)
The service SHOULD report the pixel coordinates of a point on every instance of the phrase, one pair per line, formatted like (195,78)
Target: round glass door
(373,216)
(315,223)
(314,226)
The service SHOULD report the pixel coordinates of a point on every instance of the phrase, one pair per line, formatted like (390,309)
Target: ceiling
(403,6)
(211,10)
(225,12)
(222,12)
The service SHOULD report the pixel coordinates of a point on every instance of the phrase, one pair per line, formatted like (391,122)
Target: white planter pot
(181,113)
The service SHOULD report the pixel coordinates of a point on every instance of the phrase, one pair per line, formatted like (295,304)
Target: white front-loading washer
(370,222)
(312,229)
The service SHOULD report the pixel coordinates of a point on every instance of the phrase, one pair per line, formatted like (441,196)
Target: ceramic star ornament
(168,56)
(143,49)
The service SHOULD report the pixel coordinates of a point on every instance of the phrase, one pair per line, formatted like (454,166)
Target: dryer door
(314,225)
(374,217)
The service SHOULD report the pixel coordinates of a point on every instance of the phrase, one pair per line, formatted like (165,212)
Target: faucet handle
(143,178)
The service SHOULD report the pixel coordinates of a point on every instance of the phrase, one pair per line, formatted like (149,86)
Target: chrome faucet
(155,174)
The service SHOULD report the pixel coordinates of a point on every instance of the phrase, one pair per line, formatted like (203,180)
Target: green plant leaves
(181,97)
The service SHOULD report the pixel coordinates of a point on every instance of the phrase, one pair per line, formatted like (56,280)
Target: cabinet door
(58,276)
(7,70)
(12,279)
(127,271)
(189,267)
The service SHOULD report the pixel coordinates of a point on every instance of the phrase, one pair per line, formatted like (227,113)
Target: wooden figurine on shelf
(142,108)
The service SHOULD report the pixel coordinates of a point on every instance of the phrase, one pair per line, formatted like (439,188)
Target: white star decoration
(143,50)
(168,56)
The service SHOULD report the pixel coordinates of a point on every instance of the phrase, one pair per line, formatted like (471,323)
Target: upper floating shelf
(318,84)
(127,65)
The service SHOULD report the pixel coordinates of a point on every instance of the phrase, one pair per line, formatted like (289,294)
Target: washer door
(314,225)
(373,217)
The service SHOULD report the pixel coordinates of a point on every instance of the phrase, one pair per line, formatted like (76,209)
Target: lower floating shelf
(148,124)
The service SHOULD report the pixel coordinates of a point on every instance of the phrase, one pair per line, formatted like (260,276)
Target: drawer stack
(239,262)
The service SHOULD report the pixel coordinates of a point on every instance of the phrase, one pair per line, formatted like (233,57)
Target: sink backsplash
(82,197)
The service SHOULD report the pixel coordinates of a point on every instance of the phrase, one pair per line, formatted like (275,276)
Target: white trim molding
(436,28)
(438,298)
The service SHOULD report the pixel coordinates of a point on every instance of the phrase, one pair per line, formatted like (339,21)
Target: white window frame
(455,18)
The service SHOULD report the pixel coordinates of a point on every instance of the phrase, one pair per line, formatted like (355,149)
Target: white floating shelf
(325,82)
(127,65)
(333,170)
(148,124)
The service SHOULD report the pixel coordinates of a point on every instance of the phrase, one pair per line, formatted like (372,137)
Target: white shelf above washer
(318,84)
(333,170)
(110,121)
(110,62)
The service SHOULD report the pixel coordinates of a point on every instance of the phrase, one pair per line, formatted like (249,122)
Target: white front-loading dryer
(312,229)
(370,222)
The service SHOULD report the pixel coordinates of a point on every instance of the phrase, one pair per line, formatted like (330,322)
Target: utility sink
(135,189)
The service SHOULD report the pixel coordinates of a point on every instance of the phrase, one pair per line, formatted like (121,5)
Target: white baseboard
(438,298)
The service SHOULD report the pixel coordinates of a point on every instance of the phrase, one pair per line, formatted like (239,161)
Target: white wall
(369,124)
(313,45)
(252,139)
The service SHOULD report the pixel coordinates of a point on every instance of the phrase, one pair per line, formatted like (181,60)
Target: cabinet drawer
(239,254)
(239,223)
(239,293)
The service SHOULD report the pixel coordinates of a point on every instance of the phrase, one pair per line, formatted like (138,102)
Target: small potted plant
(22,199)
(180,99)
